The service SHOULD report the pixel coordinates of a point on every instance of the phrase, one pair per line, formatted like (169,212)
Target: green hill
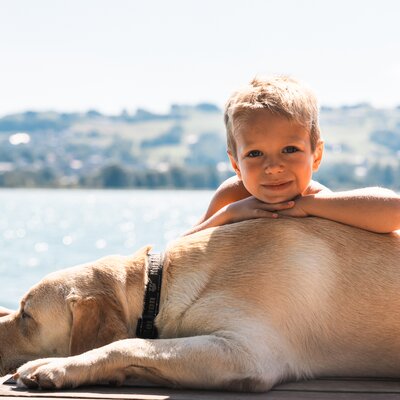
(183,148)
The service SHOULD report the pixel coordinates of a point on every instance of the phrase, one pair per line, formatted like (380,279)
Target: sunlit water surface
(45,230)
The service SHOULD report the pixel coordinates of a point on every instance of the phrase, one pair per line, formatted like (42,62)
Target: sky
(114,55)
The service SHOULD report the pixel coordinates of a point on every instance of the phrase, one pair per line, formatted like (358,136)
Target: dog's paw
(47,373)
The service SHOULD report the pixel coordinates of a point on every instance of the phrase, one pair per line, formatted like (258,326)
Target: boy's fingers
(259,213)
(279,206)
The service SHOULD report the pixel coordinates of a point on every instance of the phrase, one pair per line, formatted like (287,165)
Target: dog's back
(327,293)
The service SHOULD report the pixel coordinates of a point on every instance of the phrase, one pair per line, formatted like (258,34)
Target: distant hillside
(182,148)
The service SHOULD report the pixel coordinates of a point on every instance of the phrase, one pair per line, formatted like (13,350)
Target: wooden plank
(360,385)
(268,396)
(324,389)
(130,393)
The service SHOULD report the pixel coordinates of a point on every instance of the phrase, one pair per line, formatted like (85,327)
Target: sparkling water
(46,230)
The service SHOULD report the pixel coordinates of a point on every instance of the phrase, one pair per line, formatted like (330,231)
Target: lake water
(46,230)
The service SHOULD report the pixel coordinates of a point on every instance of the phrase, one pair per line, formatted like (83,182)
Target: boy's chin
(277,199)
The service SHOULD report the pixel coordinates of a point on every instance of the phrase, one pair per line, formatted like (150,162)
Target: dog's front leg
(208,362)
(202,362)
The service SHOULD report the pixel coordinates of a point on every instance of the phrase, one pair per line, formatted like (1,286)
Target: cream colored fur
(243,307)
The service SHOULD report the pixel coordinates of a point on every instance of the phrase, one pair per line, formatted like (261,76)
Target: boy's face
(274,157)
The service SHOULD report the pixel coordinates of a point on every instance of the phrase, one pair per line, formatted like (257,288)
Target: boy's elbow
(393,215)
(381,192)
(397,212)
(391,193)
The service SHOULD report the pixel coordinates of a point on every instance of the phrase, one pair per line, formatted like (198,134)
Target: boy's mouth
(277,185)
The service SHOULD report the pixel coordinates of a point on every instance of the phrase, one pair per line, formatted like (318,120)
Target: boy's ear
(318,152)
(235,165)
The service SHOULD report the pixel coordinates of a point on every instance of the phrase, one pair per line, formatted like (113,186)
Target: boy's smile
(274,157)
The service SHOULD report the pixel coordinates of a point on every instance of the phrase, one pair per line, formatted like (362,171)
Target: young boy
(274,146)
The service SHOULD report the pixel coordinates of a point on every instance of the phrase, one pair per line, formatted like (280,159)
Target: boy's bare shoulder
(232,189)
(232,181)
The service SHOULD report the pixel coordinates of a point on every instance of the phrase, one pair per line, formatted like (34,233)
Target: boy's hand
(299,207)
(251,208)
(241,210)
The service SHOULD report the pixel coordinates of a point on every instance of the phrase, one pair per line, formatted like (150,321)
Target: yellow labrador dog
(243,307)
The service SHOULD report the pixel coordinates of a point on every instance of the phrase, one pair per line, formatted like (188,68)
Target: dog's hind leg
(206,362)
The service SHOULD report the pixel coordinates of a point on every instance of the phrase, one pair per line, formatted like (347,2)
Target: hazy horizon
(168,109)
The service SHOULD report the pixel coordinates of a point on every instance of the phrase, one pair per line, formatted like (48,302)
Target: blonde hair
(281,95)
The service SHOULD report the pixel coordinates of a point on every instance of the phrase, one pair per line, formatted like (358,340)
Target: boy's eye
(290,149)
(254,153)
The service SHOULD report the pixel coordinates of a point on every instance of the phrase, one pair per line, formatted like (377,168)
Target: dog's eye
(25,315)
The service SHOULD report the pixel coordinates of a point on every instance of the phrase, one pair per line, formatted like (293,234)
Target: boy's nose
(273,167)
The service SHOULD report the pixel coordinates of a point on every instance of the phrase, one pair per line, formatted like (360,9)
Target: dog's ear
(95,323)
(142,252)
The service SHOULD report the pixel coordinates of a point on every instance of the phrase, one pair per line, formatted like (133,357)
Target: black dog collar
(145,327)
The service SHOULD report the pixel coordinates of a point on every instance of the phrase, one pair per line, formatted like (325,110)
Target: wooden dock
(330,388)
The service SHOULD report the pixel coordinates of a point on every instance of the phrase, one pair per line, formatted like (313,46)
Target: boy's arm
(374,209)
(231,190)
(233,203)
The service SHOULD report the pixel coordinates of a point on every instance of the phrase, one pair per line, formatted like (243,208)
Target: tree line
(336,176)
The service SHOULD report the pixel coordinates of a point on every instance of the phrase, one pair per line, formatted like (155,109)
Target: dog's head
(74,310)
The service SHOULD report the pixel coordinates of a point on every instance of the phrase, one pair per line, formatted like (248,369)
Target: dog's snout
(6,325)
(6,369)
(2,369)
